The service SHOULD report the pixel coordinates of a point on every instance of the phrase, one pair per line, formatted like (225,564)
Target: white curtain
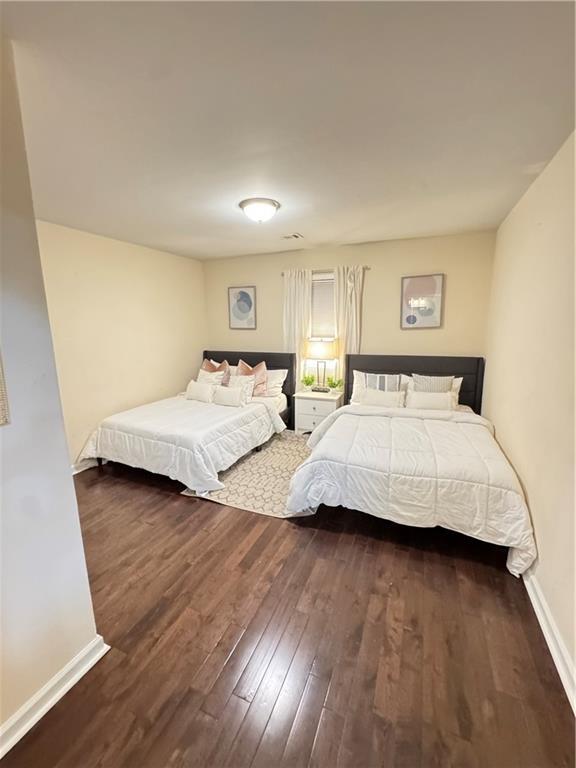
(297,313)
(348,287)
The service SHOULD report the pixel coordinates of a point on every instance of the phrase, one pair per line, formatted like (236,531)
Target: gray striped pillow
(385,382)
(432,383)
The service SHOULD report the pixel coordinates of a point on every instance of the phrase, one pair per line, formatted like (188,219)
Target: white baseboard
(560,655)
(36,707)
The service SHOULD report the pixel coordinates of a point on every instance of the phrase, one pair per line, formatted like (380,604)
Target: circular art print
(242,307)
(421,301)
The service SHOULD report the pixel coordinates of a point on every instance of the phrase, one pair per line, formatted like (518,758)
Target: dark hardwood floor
(337,640)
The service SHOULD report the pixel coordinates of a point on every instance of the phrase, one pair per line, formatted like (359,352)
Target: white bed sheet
(279,402)
(184,439)
(417,467)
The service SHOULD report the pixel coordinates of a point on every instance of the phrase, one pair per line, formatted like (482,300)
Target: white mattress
(417,467)
(184,439)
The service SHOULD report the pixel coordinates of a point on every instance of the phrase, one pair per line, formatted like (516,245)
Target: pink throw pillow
(260,376)
(208,365)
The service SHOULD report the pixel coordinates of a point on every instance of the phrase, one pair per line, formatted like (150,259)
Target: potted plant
(307,381)
(335,384)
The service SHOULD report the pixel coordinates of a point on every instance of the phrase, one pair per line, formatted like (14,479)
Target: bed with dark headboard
(423,467)
(274,361)
(188,439)
(471,369)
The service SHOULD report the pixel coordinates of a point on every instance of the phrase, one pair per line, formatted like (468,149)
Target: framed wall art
(242,307)
(421,302)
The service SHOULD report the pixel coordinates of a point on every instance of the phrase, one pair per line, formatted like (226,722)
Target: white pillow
(232,369)
(245,383)
(200,391)
(215,378)
(385,399)
(233,397)
(407,382)
(275,381)
(433,401)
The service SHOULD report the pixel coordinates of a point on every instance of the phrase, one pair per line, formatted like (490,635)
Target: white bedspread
(184,439)
(417,467)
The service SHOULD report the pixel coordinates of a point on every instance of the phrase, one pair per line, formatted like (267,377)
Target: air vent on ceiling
(293,236)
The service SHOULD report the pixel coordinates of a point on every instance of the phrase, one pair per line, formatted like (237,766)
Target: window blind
(323,311)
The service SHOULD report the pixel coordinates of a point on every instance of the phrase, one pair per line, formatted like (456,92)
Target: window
(323,310)
(323,324)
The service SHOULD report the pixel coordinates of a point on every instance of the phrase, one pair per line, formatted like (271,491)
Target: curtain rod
(322,271)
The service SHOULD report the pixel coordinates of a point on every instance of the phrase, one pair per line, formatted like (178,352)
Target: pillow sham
(200,391)
(232,368)
(245,383)
(275,381)
(206,377)
(432,383)
(383,398)
(259,373)
(408,382)
(211,366)
(231,396)
(384,382)
(433,401)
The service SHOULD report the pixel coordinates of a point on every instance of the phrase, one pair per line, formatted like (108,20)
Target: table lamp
(321,350)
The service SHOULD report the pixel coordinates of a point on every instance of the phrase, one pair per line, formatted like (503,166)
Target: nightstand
(313,407)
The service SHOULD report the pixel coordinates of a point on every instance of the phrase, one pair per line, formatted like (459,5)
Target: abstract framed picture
(421,303)
(242,307)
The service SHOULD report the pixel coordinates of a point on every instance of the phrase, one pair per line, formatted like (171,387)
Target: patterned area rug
(259,481)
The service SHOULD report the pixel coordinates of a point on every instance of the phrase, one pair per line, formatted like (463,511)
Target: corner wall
(529,386)
(47,625)
(127,323)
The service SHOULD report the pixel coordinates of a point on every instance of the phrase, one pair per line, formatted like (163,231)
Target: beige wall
(529,392)
(47,617)
(127,323)
(465,259)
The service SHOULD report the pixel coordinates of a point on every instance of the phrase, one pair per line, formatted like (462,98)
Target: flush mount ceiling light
(259,209)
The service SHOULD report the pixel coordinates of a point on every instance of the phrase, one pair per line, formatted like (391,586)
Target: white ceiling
(149,122)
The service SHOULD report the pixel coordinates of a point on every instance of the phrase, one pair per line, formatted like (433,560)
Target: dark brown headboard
(471,369)
(273,360)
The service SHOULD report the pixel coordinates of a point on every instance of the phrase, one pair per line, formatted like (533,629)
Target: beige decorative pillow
(245,383)
(210,366)
(197,390)
(233,397)
(432,383)
(382,398)
(260,376)
(407,383)
(432,401)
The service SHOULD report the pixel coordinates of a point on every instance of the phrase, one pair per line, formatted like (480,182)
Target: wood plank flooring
(337,641)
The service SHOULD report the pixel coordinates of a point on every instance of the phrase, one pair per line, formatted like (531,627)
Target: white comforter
(184,439)
(417,467)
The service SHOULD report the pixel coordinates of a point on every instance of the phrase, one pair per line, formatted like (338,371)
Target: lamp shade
(318,349)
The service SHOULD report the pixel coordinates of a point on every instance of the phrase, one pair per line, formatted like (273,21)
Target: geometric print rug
(259,481)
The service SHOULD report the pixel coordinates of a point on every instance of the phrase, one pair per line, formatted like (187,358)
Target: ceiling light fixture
(259,209)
